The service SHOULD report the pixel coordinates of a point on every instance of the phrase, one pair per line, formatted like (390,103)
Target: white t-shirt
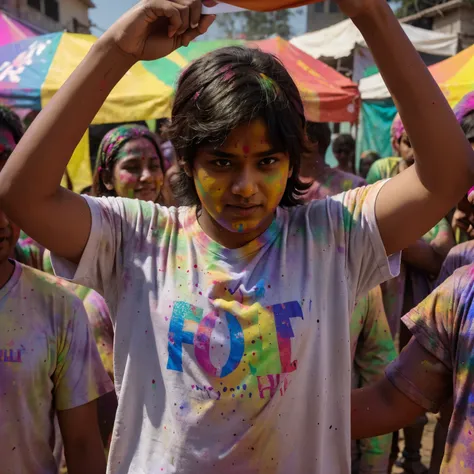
(232,361)
(48,362)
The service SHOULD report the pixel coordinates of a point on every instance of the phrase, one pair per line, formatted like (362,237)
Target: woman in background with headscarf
(129,164)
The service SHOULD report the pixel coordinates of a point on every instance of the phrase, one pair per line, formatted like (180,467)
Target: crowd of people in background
(177,234)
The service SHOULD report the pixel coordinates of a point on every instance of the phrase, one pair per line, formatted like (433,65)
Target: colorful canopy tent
(328,96)
(12,30)
(32,71)
(339,40)
(455,76)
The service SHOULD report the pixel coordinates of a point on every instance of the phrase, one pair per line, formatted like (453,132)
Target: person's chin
(146,196)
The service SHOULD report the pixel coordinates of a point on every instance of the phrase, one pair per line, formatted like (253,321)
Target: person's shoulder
(48,286)
(465,251)
(463,279)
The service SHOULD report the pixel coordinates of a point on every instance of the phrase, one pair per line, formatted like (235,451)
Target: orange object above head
(269,5)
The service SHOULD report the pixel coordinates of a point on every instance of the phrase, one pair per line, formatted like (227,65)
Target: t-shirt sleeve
(79,376)
(424,370)
(119,232)
(366,260)
(102,329)
(458,256)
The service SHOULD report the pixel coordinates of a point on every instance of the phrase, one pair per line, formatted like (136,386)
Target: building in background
(323,14)
(52,15)
(452,16)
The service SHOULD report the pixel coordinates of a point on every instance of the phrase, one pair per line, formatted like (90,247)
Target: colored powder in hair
(227,72)
(196,95)
(267,83)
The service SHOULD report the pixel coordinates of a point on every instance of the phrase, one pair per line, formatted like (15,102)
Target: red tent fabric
(328,96)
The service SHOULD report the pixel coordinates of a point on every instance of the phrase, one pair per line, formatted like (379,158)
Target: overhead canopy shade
(338,41)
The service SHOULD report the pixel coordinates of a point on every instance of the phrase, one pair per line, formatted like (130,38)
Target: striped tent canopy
(328,96)
(455,75)
(12,30)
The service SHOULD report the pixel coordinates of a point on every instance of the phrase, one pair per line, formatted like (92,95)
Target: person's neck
(228,239)
(313,168)
(6,271)
(346,167)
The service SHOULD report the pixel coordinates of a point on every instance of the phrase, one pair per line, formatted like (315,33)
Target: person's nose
(4,222)
(245,183)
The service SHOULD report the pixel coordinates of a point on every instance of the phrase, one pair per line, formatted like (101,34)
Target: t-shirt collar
(192,225)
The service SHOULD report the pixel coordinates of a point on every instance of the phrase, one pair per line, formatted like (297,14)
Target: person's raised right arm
(30,191)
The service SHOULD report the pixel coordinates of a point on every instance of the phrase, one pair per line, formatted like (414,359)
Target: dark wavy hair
(230,87)
(11,121)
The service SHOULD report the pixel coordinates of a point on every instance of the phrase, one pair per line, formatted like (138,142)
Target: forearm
(375,454)
(424,257)
(86,458)
(381,409)
(42,156)
(430,123)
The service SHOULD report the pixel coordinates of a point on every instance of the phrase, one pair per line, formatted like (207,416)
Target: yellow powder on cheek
(209,189)
(276,185)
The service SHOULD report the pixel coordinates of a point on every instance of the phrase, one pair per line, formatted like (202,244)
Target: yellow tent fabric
(139,95)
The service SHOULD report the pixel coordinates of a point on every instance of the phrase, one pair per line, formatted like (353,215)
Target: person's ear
(107,179)
(186,167)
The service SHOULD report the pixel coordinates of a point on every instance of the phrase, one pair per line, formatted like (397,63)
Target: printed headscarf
(396,132)
(111,144)
(464,108)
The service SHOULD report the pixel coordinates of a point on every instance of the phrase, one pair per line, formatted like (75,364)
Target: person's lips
(146,193)
(244,210)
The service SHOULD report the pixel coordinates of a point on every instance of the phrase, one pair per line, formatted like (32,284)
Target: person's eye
(222,163)
(133,169)
(268,161)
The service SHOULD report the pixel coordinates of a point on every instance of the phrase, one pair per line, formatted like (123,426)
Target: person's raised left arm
(414,201)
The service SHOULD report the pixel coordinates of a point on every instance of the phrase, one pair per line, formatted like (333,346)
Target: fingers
(204,23)
(190,14)
(174,18)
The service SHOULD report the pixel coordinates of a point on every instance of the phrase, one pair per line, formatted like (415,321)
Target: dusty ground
(427,443)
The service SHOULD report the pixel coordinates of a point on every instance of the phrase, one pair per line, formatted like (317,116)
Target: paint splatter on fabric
(372,346)
(372,349)
(48,361)
(438,363)
(31,253)
(459,256)
(331,182)
(230,360)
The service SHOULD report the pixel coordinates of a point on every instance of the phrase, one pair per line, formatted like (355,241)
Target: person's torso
(225,361)
(459,456)
(28,354)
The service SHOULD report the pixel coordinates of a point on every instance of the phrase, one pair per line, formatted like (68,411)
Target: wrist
(111,53)
(375,13)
